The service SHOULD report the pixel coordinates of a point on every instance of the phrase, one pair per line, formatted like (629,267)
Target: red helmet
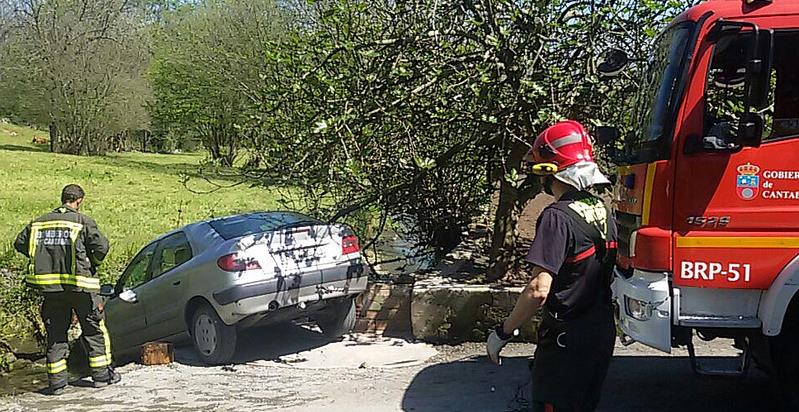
(560,146)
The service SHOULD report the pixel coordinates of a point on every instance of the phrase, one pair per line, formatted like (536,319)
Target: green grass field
(134,197)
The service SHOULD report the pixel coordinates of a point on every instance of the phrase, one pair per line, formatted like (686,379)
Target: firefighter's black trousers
(571,361)
(57,315)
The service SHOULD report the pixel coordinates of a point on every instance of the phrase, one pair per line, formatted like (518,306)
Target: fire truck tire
(785,359)
(761,353)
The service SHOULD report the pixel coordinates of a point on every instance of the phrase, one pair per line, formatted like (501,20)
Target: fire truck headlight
(637,309)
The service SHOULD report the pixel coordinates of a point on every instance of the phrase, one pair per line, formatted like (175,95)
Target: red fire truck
(707,199)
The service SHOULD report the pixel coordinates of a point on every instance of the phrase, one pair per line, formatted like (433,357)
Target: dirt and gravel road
(295,369)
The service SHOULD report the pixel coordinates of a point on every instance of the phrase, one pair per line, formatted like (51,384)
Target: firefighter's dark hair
(71,193)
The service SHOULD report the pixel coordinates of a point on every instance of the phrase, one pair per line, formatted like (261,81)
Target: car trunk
(294,250)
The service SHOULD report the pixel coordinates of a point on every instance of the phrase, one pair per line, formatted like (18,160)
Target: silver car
(212,278)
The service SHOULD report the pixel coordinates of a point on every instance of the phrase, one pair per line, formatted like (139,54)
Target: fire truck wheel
(785,359)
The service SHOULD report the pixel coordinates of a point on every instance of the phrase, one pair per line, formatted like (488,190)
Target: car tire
(339,319)
(214,341)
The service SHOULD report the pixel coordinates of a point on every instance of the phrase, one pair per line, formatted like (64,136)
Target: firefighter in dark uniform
(572,255)
(64,248)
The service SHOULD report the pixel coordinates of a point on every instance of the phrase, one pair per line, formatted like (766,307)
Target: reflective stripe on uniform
(54,224)
(107,340)
(99,361)
(57,367)
(85,282)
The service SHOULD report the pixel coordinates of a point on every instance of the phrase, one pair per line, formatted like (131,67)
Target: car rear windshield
(243,225)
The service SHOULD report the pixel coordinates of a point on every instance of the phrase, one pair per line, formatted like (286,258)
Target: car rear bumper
(241,301)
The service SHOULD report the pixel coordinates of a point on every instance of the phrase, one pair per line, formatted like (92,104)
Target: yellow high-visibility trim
(53,224)
(739,242)
(107,340)
(32,243)
(648,187)
(99,361)
(85,282)
(56,367)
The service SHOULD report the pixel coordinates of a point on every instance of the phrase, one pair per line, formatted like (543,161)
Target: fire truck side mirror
(606,135)
(758,70)
(750,130)
(758,88)
(612,62)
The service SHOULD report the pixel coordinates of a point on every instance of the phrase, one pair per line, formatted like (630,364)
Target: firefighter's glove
(496,341)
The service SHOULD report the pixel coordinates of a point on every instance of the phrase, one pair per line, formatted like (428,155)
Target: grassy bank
(133,197)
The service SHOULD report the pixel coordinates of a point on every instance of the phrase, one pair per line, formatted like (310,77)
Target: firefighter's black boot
(113,377)
(55,391)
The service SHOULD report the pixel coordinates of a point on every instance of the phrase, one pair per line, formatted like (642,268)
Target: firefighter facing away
(64,248)
(572,256)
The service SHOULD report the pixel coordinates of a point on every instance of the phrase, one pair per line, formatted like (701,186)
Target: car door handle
(175,283)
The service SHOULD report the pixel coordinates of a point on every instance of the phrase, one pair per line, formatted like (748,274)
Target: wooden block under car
(157,353)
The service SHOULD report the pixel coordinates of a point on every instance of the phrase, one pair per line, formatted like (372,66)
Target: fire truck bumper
(644,307)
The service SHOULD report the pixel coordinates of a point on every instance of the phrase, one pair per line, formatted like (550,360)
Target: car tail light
(234,263)
(350,244)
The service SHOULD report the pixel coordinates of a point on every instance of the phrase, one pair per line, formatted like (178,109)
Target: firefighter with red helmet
(572,256)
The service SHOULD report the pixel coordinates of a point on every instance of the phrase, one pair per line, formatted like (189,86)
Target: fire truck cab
(707,196)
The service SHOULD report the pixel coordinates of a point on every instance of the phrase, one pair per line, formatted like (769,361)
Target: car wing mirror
(129,296)
(107,291)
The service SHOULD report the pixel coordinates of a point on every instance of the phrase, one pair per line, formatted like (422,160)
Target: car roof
(198,230)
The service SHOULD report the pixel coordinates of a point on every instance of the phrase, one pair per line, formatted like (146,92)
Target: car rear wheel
(214,341)
(339,318)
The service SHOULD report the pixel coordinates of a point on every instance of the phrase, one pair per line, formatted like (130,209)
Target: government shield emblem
(748,182)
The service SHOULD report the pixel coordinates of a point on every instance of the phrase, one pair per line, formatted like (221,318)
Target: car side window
(173,251)
(136,272)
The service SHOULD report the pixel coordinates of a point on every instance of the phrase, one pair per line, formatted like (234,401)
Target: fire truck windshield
(657,99)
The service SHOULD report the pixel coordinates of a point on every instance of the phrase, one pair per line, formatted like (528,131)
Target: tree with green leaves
(71,65)
(207,63)
(418,110)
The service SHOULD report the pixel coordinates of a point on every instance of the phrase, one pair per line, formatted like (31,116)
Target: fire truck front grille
(626,225)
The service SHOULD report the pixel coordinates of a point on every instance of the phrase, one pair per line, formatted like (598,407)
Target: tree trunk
(512,199)
(53,137)
(503,239)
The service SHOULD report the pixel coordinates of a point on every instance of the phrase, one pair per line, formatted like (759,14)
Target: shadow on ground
(634,383)
(262,343)
(18,148)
